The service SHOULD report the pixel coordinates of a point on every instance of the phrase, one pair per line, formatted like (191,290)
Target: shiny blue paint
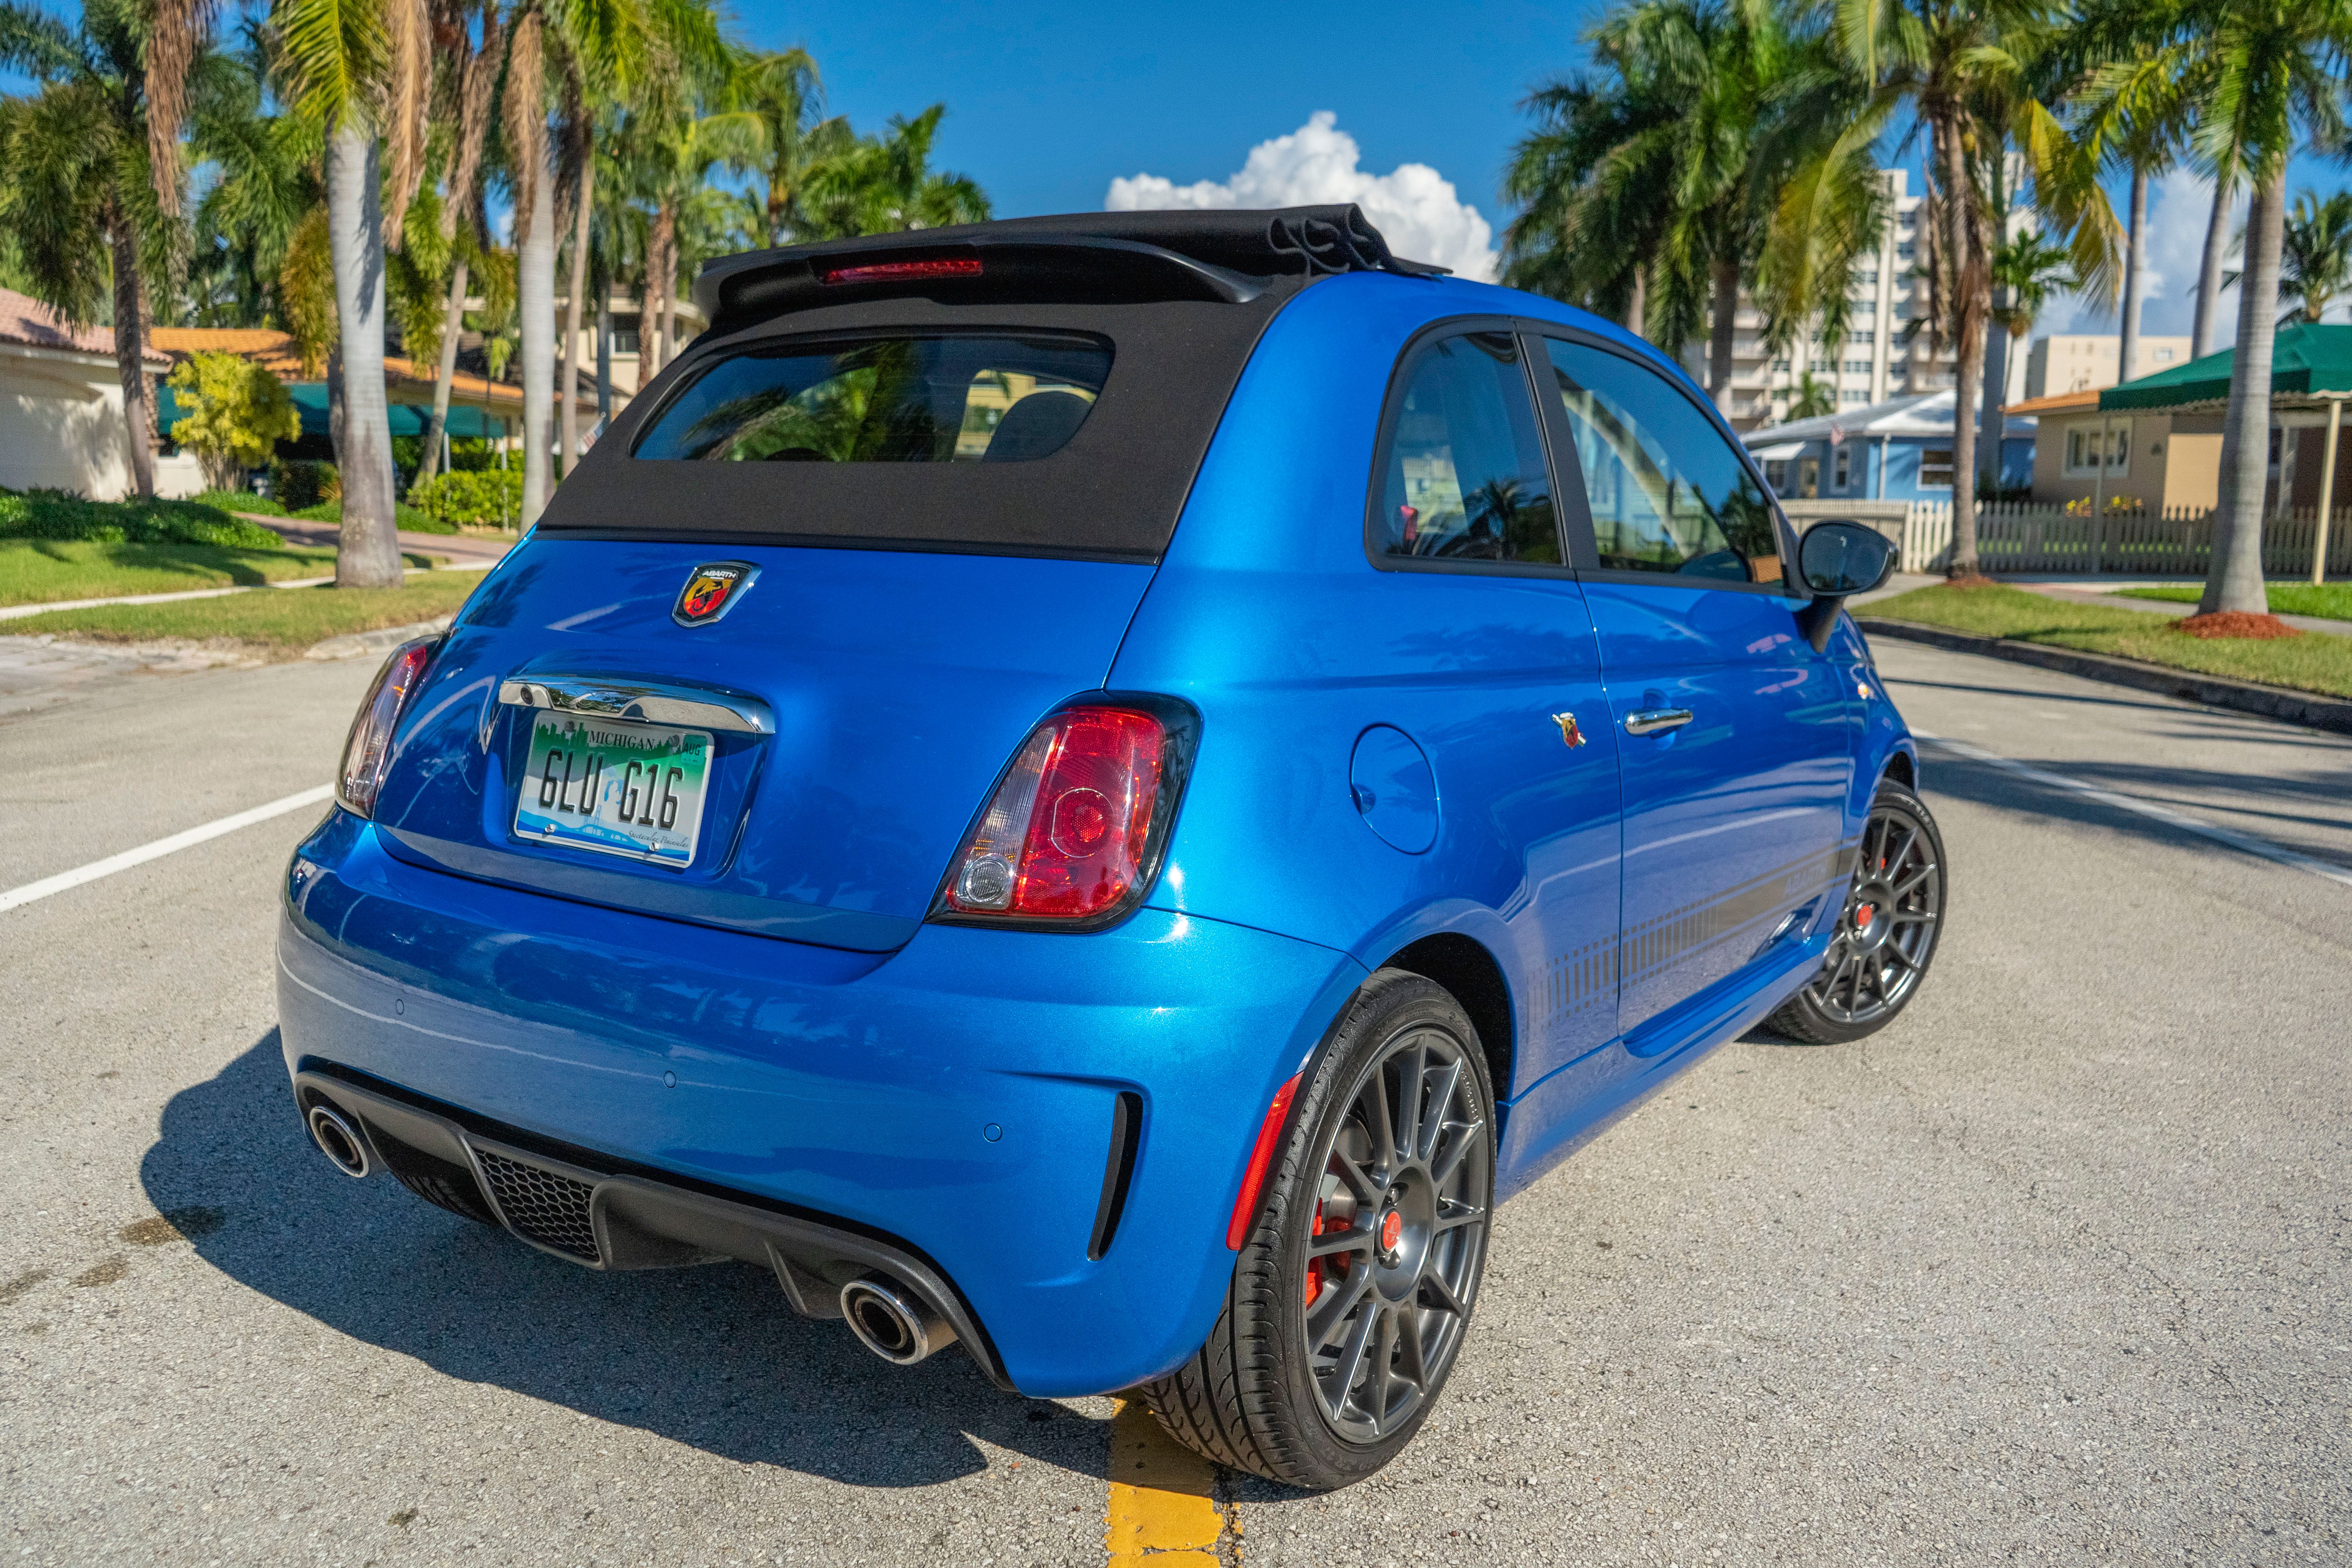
(857,1084)
(1394,789)
(836,828)
(833,1052)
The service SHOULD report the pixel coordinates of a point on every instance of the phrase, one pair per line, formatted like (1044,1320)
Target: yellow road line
(1163,1499)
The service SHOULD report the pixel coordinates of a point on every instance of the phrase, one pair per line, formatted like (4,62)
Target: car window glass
(886,399)
(1666,491)
(1464,476)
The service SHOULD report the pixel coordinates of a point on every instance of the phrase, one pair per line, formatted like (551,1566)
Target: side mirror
(1837,559)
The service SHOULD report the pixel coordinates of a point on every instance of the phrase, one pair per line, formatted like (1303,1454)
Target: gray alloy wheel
(1352,1295)
(1399,1236)
(1886,929)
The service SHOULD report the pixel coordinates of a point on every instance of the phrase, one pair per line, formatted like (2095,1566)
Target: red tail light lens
(904,271)
(369,746)
(1076,827)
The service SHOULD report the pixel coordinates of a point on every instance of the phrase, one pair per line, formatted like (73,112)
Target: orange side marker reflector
(1254,1179)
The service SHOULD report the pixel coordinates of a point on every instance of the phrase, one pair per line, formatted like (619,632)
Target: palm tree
(266,183)
(885,184)
(361,70)
(2315,268)
(1813,399)
(75,186)
(2255,81)
(1697,82)
(778,95)
(1964,76)
(469,79)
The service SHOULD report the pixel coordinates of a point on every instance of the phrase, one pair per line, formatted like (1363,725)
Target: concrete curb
(381,641)
(2214,691)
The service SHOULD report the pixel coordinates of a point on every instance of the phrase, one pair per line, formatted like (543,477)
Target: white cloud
(2180,204)
(1414,207)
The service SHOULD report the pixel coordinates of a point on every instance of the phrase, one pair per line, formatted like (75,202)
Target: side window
(1668,492)
(1463,478)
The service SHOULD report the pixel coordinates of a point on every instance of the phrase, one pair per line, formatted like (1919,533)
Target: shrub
(233,414)
(490,498)
(240,500)
(405,516)
(300,482)
(51,515)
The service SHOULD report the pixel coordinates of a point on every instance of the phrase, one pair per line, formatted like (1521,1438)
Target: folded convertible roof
(1232,256)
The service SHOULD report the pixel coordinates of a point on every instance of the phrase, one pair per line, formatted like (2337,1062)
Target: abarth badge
(1571,736)
(712,591)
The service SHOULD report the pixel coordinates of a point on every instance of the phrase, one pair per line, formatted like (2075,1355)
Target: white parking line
(15,896)
(2163,814)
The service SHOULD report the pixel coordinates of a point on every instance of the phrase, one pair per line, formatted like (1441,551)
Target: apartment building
(1871,364)
(2085,362)
(630,338)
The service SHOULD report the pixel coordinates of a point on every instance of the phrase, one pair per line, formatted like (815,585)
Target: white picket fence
(2138,541)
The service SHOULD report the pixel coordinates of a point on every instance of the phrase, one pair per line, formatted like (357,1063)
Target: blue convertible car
(1101,788)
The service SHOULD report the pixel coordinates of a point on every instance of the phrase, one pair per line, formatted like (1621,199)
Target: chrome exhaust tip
(892,1320)
(338,1140)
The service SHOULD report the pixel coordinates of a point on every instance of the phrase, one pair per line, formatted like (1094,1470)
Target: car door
(1489,664)
(1733,743)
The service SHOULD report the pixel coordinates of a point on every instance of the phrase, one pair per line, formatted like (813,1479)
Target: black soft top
(1182,296)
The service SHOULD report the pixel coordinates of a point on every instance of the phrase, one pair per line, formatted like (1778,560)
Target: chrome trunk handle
(1651,721)
(647,701)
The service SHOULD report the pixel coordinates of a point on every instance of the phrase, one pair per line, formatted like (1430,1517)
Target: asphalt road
(2052,1270)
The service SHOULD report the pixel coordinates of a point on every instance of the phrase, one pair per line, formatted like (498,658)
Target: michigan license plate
(622,789)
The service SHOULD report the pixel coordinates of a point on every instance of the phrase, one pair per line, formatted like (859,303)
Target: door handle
(1651,720)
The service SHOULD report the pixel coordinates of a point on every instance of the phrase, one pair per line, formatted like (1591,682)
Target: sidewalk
(462,549)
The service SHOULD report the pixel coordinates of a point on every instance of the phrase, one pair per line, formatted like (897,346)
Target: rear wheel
(1886,933)
(1353,1292)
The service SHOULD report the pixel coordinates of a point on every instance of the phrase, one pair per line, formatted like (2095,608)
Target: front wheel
(1353,1292)
(1886,930)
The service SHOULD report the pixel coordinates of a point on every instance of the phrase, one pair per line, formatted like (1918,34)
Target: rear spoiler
(1229,256)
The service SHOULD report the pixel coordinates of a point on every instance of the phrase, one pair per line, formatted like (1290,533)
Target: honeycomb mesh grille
(541,1206)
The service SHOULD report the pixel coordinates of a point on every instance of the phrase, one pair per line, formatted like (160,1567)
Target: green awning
(311,403)
(2309,365)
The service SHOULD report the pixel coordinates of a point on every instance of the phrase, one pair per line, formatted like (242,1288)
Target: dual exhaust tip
(889,1319)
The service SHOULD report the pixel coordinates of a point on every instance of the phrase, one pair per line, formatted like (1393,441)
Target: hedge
(53,515)
(488,498)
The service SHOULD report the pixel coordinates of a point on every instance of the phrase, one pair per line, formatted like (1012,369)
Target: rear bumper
(952,1104)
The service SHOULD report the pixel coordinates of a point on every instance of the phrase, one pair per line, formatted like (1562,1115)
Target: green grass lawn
(280,623)
(2333,600)
(2311,662)
(42,571)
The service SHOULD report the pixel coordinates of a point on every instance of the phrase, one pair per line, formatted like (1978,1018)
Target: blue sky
(1049,100)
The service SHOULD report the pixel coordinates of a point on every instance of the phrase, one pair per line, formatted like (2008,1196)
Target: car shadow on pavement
(709,1356)
(1981,784)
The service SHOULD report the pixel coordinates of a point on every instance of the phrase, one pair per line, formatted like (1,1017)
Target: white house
(61,425)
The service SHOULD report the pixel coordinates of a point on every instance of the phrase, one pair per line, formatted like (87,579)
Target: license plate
(622,789)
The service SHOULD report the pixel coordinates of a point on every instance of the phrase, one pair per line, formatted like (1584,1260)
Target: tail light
(1074,833)
(370,744)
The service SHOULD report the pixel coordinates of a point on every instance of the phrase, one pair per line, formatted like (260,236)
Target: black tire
(1397,1294)
(1886,929)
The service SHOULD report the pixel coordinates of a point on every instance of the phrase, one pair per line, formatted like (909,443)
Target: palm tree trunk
(604,362)
(1637,306)
(2208,274)
(1973,295)
(2235,581)
(1990,421)
(2135,277)
(1727,318)
(368,552)
(584,207)
(665,224)
(535,290)
(130,360)
(453,321)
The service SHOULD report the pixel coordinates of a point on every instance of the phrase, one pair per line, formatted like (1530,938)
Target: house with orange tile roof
(61,421)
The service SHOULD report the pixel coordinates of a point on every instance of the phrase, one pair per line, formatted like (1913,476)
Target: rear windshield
(895,398)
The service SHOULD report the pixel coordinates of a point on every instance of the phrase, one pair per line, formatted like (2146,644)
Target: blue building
(1897,450)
